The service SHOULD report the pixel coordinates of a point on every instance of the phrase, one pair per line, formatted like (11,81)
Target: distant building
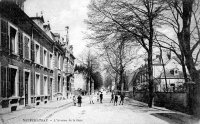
(79,82)
(138,80)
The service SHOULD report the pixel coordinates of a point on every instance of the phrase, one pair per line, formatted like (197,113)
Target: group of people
(99,97)
(114,98)
(79,98)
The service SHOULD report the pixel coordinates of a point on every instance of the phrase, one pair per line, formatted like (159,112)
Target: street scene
(99,61)
(132,112)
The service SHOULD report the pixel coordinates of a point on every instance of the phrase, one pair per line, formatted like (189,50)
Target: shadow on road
(176,117)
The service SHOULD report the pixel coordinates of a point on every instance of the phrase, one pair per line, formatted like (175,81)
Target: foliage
(98,80)
(108,81)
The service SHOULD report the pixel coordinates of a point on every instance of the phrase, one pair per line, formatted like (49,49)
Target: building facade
(34,62)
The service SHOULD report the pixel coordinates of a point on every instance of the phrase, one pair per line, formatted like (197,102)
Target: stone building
(34,62)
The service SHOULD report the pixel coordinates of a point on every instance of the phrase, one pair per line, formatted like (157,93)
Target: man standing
(112,98)
(101,97)
(116,99)
(122,99)
(79,100)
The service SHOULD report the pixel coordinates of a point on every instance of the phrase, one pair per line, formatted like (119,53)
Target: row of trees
(89,67)
(116,25)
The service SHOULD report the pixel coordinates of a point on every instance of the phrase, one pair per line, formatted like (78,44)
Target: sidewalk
(30,110)
(165,114)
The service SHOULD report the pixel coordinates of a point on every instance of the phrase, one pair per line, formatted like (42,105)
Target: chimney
(67,34)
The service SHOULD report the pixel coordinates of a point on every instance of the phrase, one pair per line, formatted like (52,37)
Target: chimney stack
(67,34)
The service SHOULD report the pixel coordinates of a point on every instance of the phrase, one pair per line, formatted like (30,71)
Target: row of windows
(46,84)
(47,56)
(21,44)
(13,82)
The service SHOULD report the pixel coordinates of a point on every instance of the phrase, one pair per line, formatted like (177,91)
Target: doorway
(26,87)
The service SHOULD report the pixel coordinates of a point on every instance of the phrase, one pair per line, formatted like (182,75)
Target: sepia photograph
(99,61)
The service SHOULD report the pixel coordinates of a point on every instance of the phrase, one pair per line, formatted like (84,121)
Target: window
(45,86)
(27,46)
(13,77)
(59,83)
(51,60)
(59,62)
(13,34)
(45,57)
(37,84)
(37,53)
(175,71)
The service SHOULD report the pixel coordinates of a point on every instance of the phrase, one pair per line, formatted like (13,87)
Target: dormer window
(175,71)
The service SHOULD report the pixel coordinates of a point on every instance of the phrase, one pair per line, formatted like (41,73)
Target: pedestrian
(112,98)
(91,99)
(121,99)
(79,100)
(101,97)
(97,96)
(116,99)
(74,100)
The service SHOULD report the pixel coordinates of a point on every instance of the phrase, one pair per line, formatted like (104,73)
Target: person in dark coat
(116,99)
(79,100)
(112,98)
(122,99)
(101,97)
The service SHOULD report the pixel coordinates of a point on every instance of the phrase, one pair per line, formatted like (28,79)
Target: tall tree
(89,66)
(98,80)
(137,19)
(185,23)
(108,82)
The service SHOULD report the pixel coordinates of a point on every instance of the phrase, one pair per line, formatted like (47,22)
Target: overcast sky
(62,13)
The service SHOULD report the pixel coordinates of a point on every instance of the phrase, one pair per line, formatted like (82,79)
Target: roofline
(35,26)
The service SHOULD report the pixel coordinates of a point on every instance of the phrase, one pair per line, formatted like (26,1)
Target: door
(50,87)
(26,87)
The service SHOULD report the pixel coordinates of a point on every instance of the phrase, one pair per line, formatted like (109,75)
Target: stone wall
(171,100)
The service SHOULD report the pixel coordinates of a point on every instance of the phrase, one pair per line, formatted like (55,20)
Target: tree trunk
(150,73)
(195,93)
(163,68)
(184,36)
(121,80)
(150,64)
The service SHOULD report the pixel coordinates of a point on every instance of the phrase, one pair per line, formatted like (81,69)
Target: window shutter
(48,85)
(21,86)
(3,81)
(32,51)
(48,59)
(9,92)
(26,47)
(41,55)
(4,36)
(20,43)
